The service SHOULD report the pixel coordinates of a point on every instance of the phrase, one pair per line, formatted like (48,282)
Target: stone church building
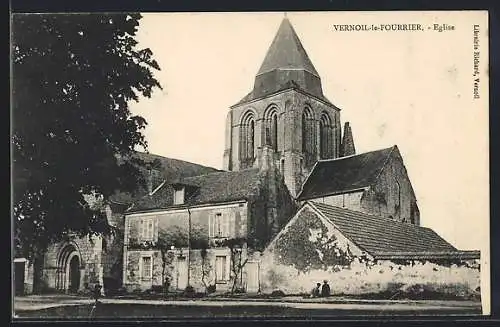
(288,162)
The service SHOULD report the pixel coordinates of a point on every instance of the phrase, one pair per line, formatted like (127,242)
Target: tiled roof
(344,174)
(209,188)
(385,238)
(169,169)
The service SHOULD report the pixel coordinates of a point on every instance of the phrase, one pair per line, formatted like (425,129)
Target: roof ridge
(173,159)
(378,218)
(385,162)
(223,172)
(355,155)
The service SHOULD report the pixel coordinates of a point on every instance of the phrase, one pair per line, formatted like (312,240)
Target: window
(308,138)
(221,269)
(271,123)
(146,267)
(179,196)
(325,140)
(398,194)
(247,140)
(219,226)
(146,229)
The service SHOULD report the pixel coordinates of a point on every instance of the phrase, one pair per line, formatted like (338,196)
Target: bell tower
(286,120)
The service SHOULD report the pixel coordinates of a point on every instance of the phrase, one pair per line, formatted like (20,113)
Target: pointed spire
(347,147)
(286,63)
(286,51)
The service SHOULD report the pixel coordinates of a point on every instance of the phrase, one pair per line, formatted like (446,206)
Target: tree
(236,247)
(73,134)
(166,240)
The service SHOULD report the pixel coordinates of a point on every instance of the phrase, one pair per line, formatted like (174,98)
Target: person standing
(325,290)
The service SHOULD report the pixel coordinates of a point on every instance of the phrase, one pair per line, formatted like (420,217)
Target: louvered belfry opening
(247,140)
(326,136)
(271,128)
(308,136)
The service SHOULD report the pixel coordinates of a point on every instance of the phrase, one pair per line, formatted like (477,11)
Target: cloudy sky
(413,89)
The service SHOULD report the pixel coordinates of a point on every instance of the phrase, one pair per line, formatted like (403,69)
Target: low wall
(373,277)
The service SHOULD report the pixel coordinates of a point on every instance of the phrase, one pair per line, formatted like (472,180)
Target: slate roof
(286,51)
(252,95)
(286,66)
(335,176)
(224,186)
(170,169)
(384,238)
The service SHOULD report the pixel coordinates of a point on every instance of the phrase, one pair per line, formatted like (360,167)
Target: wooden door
(252,275)
(19,277)
(182,273)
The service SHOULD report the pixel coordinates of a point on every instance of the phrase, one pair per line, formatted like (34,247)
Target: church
(290,172)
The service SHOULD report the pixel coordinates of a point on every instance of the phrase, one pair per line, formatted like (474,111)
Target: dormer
(183,192)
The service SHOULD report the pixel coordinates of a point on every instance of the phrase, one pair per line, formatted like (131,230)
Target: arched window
(325,136)
(397,206)
(247,137)
(271,123)
(308,139)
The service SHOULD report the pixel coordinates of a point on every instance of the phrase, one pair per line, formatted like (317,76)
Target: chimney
(347,147)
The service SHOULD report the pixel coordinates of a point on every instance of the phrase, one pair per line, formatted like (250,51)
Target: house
(204,230)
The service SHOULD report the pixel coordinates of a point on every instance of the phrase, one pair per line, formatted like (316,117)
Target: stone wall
(350,201)
(309,242)
(171,230)
(89,252)
(174,224)
(383,198)
(201,269)
(289,105)
(310,250)
(28,274)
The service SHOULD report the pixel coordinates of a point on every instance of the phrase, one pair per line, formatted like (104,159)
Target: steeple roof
(286,66)
(286,52)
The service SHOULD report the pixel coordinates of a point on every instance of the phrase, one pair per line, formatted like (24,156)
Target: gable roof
(341,175)
(384,238)
(286,52)
(218,187)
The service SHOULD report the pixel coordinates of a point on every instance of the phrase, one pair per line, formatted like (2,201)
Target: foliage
(277,293)
(211,288)
(314,249)
(73,133)
(206,269)
(236,247)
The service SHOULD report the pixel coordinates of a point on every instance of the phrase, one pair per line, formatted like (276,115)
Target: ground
(58,306)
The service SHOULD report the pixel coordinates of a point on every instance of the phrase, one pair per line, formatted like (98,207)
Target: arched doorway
(69,269)
(74,274)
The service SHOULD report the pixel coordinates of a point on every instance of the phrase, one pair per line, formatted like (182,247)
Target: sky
(413,89)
